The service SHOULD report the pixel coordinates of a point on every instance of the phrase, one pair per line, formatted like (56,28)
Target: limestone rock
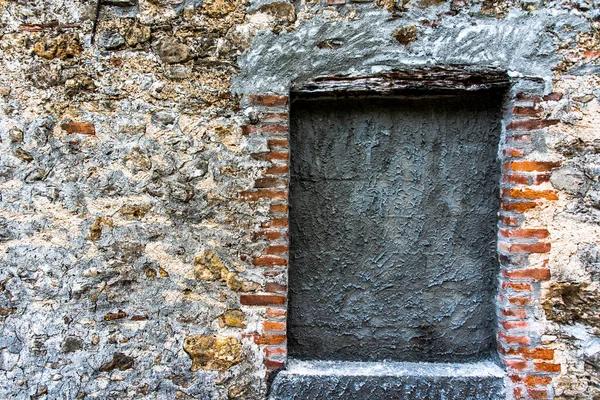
(96,229)
(406,34)
(71,344)
(570,179)
(110,40)
(134,211)
(208,267)
(281,11)
(137,34)
(570,302)
(62,47)
(233,319)
(15,135)
(120,3)
(23,155)
(218,8)
(119,361)
(172,51)
(213,353)
(431,3)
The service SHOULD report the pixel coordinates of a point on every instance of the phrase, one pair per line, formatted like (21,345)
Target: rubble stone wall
(143,183)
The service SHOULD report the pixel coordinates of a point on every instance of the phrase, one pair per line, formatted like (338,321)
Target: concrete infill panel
(388,380)
(393,213)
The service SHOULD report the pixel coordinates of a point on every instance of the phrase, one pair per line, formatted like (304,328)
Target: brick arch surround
(522,248)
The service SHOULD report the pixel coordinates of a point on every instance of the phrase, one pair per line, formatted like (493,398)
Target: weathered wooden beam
(434,79)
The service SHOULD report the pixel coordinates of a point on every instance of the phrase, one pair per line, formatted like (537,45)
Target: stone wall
(143,175)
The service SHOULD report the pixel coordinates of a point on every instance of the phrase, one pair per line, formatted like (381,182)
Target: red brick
(272,273)
(269,235)
(272,287)
(516,179)
(518,287)
(546,367)
(262,299)
(275,117)
(276,249)
(515,379)
(541,274)
(277,143)
(269,100)
(531,124)
(539,354)
(272,156)
(255,195)
(508,325)
(263,183)
(277,170)
(266,339)
(522,139)
(527,97)
(532,380)
(541,178)
(520,301)
(525,233)
(554,96)
(276,223)
(522,340)
(269,261)
(534,111)
(273,351)
(276,312)
(266,129)
(512,152)
(537,393)
(510,221)
(517,207)
(518,393)
(540,247)
(514,312)
(529,194)
(116,62)
(516,364)
(31,28)
(273,365)
(273,326)
(278,208)
(84,128)
(529,166)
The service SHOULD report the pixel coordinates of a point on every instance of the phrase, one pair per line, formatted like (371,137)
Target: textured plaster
(393,208)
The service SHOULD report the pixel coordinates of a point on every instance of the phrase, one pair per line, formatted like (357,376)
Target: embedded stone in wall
(110,40)
(569,303)
(119,361)
(406,34)
(233,319)
(209,267)
(64,46)
(281,11)
(138,34)
(213,353)
(172,51)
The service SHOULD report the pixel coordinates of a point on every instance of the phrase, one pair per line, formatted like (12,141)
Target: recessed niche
(393,214)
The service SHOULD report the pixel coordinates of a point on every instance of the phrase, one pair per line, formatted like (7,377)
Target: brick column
(271,188)
(530,365)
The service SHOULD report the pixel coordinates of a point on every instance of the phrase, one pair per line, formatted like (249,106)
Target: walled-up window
(393,213)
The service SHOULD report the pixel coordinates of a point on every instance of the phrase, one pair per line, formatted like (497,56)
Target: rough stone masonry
(139,186)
